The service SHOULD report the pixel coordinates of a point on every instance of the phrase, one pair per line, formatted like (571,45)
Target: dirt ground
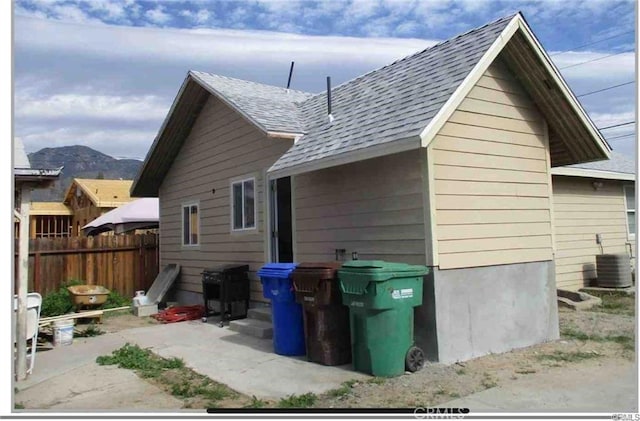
(611,338)
(589,339)
(110,323)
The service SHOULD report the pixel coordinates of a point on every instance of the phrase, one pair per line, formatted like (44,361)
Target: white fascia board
(370,152)
(469,82)
(564,88)
(584,172)
(284,135)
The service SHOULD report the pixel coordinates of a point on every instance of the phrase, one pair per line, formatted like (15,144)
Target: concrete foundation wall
(471,312)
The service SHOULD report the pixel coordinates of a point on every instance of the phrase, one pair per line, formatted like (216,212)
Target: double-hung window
(243,204)
(190,224)
(630,203)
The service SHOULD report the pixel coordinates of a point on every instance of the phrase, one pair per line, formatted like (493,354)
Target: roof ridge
(251,81)
(439,44)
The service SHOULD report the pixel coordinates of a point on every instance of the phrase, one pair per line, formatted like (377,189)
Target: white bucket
(62,332)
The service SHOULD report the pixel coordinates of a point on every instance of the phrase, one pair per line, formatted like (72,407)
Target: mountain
(79,162)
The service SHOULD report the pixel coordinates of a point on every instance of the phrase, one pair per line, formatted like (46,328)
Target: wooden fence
(123,263)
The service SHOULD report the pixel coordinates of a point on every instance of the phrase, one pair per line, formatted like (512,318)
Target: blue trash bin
(286,313)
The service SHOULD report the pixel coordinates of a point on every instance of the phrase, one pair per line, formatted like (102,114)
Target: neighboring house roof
(103,193)
(398,107)
(49,208)
(23,172)
(618,167)
(20,158)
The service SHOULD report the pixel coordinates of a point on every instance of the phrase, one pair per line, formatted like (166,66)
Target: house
(25,179)
(442,158)
(50,220)
(90,198)
(589,200)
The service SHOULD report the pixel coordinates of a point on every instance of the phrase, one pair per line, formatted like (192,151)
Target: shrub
(58,302)
(115,300)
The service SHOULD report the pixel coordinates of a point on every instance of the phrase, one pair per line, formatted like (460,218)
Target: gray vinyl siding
(373,207)
(491,182)
(581,212)
(221,146)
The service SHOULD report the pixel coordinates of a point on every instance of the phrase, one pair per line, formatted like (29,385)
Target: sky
(103,73)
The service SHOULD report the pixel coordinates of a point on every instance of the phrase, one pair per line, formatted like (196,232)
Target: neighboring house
(90,198)
(50,220)
(589,200)
(442,158)
(25,180)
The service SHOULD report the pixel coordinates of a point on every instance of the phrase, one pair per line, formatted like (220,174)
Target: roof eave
(376,151)
(42,177)
(517,23)
(589,173)
(145,191)
(573,101)
(436,123)
(135,190)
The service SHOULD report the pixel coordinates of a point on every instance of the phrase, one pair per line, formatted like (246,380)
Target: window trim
(195,203)
(241,181)
(630,235)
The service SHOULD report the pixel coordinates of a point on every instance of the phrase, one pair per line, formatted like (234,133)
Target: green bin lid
(381,267)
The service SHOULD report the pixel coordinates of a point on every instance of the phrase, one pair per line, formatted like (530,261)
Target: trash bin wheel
(204,320)
(221,324)
(414,359)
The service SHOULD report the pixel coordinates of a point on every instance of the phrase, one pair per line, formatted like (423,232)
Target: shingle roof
(392,103)
(20,159)
(395,108)
(270,107)
(618,163)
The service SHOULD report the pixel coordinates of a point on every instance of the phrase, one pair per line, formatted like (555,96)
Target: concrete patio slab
(244,363)
(68,377)
(97,388)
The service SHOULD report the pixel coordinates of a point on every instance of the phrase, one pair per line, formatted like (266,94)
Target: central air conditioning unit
(614,270)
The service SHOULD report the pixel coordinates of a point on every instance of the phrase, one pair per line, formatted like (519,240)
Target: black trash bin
(225,290)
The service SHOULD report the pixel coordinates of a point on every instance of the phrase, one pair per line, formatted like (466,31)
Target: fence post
(141,264)
(36,272)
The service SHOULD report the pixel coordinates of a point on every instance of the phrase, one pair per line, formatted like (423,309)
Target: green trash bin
(381,297)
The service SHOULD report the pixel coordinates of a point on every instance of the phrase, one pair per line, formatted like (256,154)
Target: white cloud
(188,45)
(158,15)
(21,11)
(613,68)
(133,108)
(71,13)
(114,10)
(200,17)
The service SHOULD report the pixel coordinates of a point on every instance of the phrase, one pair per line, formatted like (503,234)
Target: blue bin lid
(277,270)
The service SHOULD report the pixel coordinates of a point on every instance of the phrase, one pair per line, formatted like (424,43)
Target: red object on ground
(180,314)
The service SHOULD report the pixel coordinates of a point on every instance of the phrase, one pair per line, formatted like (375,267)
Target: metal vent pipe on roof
(290,74)
(329,99)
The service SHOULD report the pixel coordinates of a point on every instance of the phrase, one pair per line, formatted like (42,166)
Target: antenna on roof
(290,74)
(329,99)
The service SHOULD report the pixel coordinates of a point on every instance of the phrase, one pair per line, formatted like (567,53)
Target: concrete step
(260,313)
(252,327)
